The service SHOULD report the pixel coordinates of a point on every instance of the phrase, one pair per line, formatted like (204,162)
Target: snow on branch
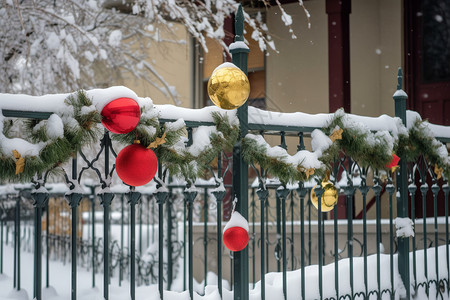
(49,46)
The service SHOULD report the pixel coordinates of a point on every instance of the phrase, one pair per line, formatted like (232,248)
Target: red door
(427,58)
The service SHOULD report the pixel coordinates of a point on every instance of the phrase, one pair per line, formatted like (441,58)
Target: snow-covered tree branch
(52,46)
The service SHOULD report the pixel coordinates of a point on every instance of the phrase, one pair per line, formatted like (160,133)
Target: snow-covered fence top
(54,103)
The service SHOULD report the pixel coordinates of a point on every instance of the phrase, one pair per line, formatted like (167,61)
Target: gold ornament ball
(329,196)
(228,88)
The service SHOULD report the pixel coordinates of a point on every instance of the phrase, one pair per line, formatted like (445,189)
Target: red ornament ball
(136,165)
(121,115)
(235,238)
(394,161)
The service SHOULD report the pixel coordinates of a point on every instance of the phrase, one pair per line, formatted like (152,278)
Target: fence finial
(399,78)
(239,25)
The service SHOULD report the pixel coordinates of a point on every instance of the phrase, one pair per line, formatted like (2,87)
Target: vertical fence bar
(301,191)
(309,229)
(47,252)
(391,189)
(63,234)
(349,193)
(231,269)
(336,251)
(446,189)
(35,266)
(377,190)
(140,228)
(292,231)
(184,244)
(169,239)
(153,222)
(1,243)
(412,188)
(133,199)
(38,256)
(122,210)
(219,194)
(402,181)
(262,195)
(106,199)
(74,198)
(15,243)
(55,222)
(148,221)
(278,245)
(435,189)
(161,197)
(364,190)
(282,194)
(266,238)
(205,235)
(7,234)
(424,190)
(18,244)
(240,168)
(319,192)
(252,205)
(190,195)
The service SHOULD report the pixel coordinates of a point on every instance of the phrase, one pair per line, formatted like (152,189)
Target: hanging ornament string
(234,205)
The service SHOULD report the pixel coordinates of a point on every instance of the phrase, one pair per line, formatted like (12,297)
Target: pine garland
(79,129)
(179,160)
(420,141)
(81,123)
(366,148)
(256,153)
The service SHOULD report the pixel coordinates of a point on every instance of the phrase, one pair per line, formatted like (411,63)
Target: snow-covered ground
(60,281)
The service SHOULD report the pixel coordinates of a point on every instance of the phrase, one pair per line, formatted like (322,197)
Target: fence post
(240,168)
(402,185)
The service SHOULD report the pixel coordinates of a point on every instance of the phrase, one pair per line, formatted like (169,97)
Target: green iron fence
(350,252)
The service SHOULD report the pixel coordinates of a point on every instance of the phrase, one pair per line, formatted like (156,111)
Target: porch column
(338,12)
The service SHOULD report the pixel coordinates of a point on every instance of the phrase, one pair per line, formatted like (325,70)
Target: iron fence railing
(286,233)
(170,236)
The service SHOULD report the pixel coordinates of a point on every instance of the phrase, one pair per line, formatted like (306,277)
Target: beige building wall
(375,55)
(173,62)
(297,77)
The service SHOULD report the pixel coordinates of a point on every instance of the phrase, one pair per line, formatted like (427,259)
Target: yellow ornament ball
(329,196)
(228,87)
